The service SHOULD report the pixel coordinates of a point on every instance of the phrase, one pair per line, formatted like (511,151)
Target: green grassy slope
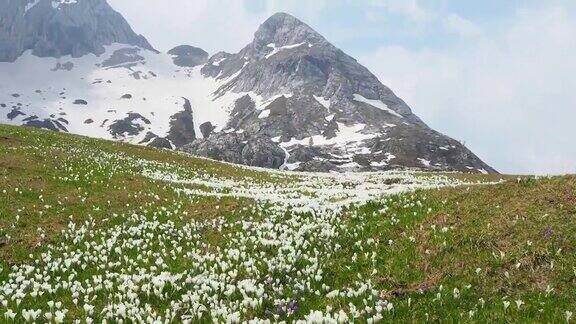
(114,231)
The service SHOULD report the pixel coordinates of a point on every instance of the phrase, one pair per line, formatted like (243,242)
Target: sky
(499,76)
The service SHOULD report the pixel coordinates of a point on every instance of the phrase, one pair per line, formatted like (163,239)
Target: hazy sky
(499,75)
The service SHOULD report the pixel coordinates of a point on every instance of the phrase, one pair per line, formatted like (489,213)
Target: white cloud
(511,97)
(422,20)
(456,24)
(409,8)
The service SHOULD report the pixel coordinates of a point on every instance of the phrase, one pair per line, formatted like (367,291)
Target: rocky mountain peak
(323,109)
(282,29)
(55,28)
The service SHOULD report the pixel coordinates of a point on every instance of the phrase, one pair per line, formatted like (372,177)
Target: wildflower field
(97,231)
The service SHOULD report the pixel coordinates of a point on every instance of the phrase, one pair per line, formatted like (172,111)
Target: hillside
(92,229)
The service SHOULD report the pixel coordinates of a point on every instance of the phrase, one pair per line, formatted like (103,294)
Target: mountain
(289,99)
(321,107)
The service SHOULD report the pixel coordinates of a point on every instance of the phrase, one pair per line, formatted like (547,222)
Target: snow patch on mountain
(260,102)
(386,161)
(31,5)
(424,162)
(324,102)
(217,62)
(57,3)
(264,114)
(275,49)
(345,135)
(376,103)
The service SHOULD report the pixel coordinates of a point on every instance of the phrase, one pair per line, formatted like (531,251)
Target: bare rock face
(80,102)
(12,29)
(188,56)
(123,57)
(159,142)
(54,28)
(182,126)
(241,149)
(206,129)
(212,69)
(47,123)
(180,132)
(131,125)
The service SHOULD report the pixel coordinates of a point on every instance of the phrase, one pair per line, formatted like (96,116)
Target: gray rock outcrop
(188,56)
(182,126)
(239,148)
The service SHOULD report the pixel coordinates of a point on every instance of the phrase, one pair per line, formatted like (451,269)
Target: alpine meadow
(281,183)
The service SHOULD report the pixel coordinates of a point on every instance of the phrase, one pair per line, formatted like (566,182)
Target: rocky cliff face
(188,56)
(288,100)
(55,28)
(324,109)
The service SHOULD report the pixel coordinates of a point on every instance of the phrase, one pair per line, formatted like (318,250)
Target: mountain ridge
(289,99)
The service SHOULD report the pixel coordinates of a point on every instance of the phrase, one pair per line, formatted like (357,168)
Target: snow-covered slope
(127,93)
